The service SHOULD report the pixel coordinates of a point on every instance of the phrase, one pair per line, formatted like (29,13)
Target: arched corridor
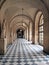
(24,32)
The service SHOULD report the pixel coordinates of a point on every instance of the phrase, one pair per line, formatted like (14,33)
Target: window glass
(41,30)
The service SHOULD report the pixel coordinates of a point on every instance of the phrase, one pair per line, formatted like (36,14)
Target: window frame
(41,17)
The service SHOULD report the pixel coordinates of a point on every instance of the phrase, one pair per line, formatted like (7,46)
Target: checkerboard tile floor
(23,53)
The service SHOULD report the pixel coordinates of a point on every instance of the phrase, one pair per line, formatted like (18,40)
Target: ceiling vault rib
(45,5)
(1,4)
(21,15)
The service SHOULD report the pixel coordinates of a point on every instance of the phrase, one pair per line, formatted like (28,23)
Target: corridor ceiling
(12,8)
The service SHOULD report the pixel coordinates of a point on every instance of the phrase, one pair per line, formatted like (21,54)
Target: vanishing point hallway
(22,52)
(24,32)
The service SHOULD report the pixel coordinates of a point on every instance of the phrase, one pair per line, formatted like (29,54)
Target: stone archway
(36,26)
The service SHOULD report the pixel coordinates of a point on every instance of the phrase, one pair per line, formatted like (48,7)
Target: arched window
(41,30)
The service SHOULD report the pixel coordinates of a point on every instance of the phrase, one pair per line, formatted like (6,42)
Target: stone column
(27,33)
(46,35)
(46,31)
(2,39)
(30,31)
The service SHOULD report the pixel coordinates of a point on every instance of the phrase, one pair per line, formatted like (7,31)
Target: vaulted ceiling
(12,8)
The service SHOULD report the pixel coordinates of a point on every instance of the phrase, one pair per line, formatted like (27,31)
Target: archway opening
(20,33)
(39,28)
